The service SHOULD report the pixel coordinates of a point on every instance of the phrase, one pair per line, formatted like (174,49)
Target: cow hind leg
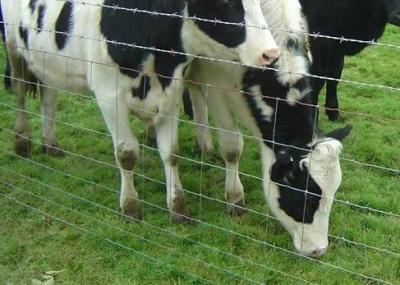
(200,114)
(48,112)
(167,141)
(231,144)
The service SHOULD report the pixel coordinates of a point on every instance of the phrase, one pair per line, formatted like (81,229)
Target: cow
(132,55)
(363,20)
(301,167)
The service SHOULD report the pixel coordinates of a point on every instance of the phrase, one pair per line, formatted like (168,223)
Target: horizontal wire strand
(153,227)
(264,243)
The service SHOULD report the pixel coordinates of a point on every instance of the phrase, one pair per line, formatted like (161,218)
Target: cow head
(393,8)
(244,30)
(301,190)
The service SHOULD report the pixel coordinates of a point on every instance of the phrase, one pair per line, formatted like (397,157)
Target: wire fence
(48,198)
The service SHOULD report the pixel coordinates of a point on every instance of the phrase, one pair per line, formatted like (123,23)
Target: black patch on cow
(32,5)
(63,25)
(124,29)
(299,195)
(294,126)
(24,34)
(352,19)
(293,44)
(143,89)
(302,84)
(40,17)
(227,11)
(294,123)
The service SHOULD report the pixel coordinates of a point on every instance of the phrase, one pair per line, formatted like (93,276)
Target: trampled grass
(89,241)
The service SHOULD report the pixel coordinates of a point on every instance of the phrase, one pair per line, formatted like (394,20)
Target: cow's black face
(393,8)
(299,194)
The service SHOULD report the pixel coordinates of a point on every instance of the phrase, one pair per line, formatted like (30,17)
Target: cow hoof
(179,213)
(131,211)
(333,115)
(180,218)
(206,149)
(52,150)
(237,209)
(22,146)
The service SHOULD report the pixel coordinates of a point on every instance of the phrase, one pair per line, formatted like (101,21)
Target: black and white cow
(301,167)
(123,55)
(355,19)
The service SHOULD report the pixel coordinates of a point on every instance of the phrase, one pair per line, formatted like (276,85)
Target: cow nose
(269,56)
(318,252)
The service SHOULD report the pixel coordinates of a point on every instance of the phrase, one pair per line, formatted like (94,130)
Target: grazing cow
(355,19)
(301,168)
(132,60)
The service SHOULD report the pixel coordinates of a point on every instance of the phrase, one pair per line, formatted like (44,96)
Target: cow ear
(341,133)
(282,165)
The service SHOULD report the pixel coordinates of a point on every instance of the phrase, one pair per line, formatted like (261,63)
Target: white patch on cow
(266,110)
(324,165)
(283,16)
(258,36)
(197,42)
(258,40)
(294,95)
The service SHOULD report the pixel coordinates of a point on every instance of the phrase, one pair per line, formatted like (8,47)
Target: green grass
(112,251)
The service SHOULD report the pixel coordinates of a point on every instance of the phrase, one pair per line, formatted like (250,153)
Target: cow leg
(167,140)
(126,146)
(22,129)
(200,115)
(332,103)
(48,110)
(231,144)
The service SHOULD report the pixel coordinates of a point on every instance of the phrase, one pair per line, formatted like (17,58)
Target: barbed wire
(221,22)
(207,58)
(202,162)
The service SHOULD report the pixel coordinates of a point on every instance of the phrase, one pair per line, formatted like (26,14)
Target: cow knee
(126,157)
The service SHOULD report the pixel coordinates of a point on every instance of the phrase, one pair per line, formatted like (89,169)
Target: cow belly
(58,72)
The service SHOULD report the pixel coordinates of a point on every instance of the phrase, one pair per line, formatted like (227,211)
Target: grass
(87,239)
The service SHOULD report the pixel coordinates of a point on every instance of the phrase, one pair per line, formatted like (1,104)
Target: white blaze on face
(324,168)
(259,47)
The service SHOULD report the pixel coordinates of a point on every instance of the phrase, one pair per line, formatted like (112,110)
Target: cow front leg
(22,129)
(231,144)
(167,142)
(19,87)
(48,123)
(126,147)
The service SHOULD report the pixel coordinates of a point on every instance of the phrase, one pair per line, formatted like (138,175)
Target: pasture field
(83,234)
